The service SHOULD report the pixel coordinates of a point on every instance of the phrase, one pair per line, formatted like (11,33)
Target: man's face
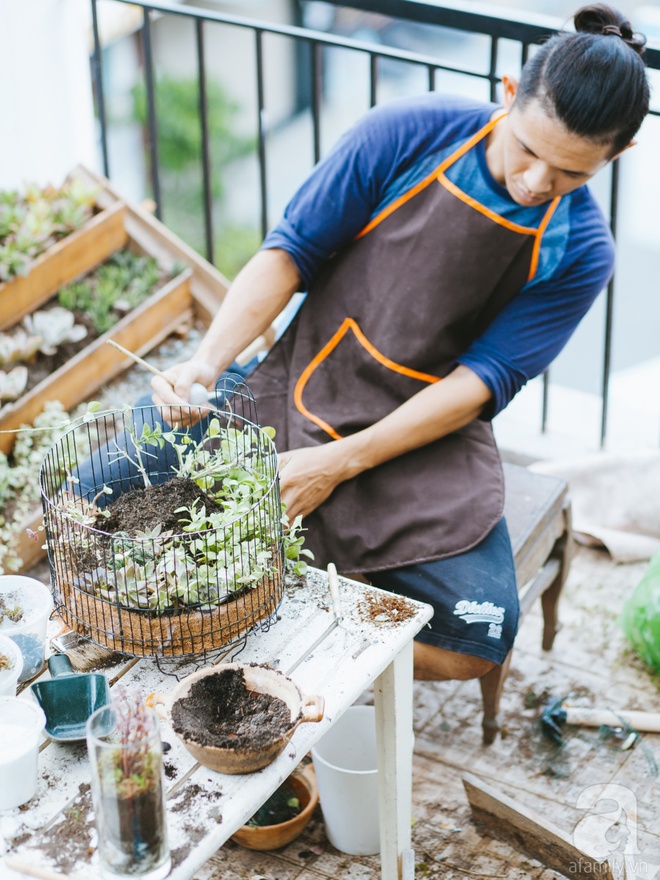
(536,158)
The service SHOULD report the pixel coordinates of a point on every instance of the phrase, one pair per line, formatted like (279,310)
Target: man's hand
(176,391)
(308,476)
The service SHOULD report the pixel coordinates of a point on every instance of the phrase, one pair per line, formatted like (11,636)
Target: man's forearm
(255,298)
(433,413)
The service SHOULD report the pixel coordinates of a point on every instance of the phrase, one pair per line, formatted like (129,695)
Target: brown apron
(388,314)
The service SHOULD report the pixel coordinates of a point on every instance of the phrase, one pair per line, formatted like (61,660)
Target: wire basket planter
(189,581)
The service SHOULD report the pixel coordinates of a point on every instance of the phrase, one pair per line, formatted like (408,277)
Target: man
(449,248)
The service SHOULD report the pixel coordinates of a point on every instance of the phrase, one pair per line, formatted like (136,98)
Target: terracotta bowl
(266,837)
(258,679)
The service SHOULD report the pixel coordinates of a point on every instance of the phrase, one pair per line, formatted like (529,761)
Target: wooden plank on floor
(523,828)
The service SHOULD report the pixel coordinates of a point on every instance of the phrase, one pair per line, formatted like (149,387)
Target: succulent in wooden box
(33,220)
(54,327)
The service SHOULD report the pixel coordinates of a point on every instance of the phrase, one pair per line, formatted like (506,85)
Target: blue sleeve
(343,191)
(532,329)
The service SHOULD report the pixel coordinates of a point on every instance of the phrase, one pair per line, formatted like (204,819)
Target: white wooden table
(55,829)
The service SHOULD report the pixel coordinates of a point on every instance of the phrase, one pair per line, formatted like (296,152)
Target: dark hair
(593,81)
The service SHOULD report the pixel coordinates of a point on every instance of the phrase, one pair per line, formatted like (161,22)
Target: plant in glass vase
(125,752)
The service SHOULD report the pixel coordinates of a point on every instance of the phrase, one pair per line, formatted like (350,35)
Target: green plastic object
(640,617)
(69,698)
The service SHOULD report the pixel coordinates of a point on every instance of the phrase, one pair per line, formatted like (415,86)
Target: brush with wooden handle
(644,722)
(557,714)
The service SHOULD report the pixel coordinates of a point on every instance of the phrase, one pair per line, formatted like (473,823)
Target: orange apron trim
(473,203)
(439,175)
(539,235)
(406,196)
(328,348)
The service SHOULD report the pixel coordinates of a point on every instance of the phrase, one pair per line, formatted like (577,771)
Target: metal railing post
(261,131)
(207,175)
(97,79)
(609,310)
(152,124)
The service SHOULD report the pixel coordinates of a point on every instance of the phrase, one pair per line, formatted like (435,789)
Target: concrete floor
(590,660)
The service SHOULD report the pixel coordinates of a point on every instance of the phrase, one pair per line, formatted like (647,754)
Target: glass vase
(128,795)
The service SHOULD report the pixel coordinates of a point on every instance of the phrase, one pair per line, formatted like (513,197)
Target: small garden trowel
(69,698)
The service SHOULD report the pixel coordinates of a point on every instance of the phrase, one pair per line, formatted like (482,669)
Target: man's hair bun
(603,20)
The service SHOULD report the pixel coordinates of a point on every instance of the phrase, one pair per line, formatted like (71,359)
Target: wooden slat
(534,516)
(208,285)
(79,252)
(523,828)
(28,550)
(83,374)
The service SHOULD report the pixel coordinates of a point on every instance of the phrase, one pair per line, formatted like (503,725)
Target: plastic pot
(29,632)
(9,677)
(21,724)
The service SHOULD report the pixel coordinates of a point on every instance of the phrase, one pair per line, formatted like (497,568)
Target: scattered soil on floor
(194,834)
(69,841)
(186,797)
(385,609)
(146,507)
(220,711)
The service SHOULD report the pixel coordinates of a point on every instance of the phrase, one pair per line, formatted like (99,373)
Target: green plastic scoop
(69,698)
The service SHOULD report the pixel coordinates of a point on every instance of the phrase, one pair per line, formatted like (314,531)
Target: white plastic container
(21,724)
(34,602)
(347,776)
(9,677)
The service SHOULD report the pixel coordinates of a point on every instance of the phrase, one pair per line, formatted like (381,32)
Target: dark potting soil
(135,829)
(146,507)
(281,806)
(220,711)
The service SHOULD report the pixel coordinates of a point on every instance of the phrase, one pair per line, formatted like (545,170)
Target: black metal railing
(473,20)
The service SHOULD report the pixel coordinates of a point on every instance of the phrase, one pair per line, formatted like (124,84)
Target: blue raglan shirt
(398,144)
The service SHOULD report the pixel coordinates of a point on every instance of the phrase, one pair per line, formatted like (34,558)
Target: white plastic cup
(347,775)
(9,677)
(21,725)
(29,632)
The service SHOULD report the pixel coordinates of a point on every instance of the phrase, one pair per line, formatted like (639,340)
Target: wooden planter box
(28,550)
(198,292)
(79,252)
(80,377)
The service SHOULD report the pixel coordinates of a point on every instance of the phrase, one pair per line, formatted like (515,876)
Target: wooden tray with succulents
(47,306)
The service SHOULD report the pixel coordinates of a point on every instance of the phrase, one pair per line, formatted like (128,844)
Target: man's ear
(510,87)
(631,144)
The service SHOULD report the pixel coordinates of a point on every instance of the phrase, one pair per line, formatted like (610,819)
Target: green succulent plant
(215,553)
(36,218)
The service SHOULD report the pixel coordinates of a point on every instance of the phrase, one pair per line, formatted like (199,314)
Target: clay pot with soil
(284,816)
(236,717)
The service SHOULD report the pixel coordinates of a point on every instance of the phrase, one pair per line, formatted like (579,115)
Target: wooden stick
(523,828)
(139,360)
(199,394)
(21,867)
(333,583)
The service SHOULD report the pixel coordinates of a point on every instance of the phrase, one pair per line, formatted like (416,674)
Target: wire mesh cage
(164,526)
